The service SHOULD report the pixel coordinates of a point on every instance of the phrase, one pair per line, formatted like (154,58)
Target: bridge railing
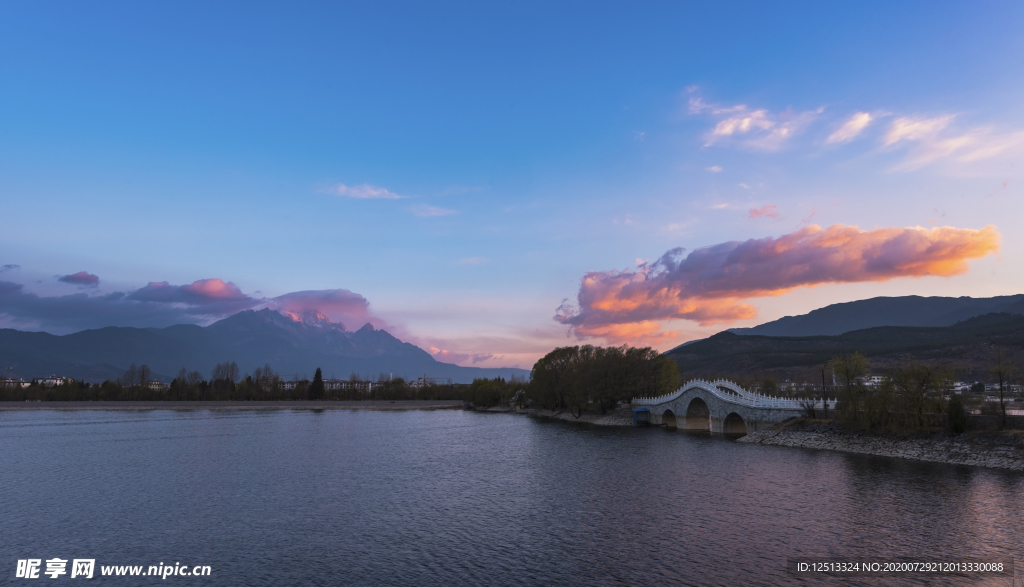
(733,393)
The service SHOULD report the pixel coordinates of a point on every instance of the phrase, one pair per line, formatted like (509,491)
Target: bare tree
(231,371)
(144,375)
(129,379)
(1002,369)
(193,379)
(267,379)
(181,379)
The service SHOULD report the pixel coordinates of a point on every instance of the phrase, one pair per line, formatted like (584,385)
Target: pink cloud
(337,305)
(446,356)
(711,284)
(768,211)
(215,295)
(81,278)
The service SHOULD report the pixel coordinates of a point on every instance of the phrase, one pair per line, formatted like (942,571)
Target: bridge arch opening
(698,416)
(669,419)
(734,425)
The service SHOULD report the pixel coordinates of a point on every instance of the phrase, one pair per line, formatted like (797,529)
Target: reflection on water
(458,498)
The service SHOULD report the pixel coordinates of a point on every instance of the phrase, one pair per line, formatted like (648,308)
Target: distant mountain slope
(900,311)
(250,338)
(967,346)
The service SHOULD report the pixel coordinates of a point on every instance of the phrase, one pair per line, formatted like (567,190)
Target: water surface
(459,498)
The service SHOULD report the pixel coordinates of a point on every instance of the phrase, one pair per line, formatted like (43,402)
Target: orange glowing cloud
(711,284)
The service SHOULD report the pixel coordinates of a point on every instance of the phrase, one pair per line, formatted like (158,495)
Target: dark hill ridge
(899,311)
(251,338)
(968,346)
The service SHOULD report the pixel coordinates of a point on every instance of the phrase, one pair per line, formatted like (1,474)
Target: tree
(143,376)
(1002,370)
(192,381)
(181,380)
(849,369)
(824,392)
(917,392)
(580,376)
(264,378)
(956,415)
(129,379)
(316,389)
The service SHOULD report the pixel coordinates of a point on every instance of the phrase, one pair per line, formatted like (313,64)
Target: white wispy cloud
(364,192)
(425,210)
(714,169)
(915,129)
(934,139)
(851,129)
(760,129)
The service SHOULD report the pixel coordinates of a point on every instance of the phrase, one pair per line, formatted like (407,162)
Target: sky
(491,181)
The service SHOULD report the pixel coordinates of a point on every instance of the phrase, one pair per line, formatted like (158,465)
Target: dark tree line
(580,378)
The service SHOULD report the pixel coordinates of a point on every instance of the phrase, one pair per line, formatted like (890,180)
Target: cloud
(205,297)
(9,267)
(160,304)
(75,312)
(337,305)
(424,210)
(81,278)
(761,130)
(364,192)
(710,285)
(915,129)
(767,211)
(446,356)
(933,139)
(714,169)
(851,128)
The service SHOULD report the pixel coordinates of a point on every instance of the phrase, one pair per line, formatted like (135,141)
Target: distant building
(424,381)
(156,385)
(874,381)
(52,381)
(14,383)
(364,387)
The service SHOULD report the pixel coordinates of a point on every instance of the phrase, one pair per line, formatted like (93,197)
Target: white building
(52,381)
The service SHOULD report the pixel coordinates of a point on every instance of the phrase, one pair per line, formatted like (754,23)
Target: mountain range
(293,346)
(899,311)
(969,347)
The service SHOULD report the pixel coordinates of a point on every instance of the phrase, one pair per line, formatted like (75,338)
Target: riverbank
(1000,450)
(231,405)
(621,416)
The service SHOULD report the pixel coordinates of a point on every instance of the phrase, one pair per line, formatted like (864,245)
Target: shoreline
(997,450)
(238,405)
(621,416)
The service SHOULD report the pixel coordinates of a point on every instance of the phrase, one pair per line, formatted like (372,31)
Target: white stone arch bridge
(721,407)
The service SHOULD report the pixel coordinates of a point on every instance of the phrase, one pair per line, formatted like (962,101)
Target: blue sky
(516,148)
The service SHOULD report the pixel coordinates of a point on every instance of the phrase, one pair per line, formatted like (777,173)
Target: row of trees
(226,383)
(579,378)
(910,396)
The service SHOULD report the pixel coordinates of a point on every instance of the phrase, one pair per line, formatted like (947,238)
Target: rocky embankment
(1001,450)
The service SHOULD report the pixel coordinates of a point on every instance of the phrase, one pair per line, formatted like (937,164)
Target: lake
(429,498)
